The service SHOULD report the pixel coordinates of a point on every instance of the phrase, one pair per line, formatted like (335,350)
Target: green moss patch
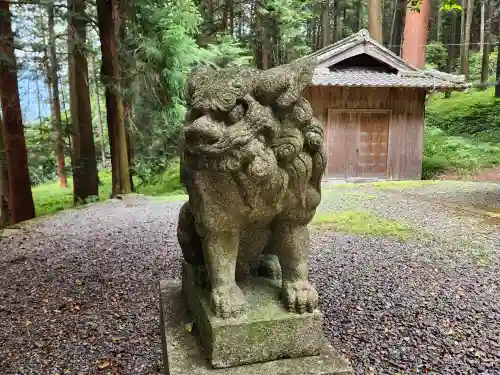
(171,198)
(410,184)
(360,222)
(359,195)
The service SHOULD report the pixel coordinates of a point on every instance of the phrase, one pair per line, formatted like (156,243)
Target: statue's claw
(299,296)
(227,301)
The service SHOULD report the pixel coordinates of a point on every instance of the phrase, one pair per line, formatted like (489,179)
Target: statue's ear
(305,64)
(197,77)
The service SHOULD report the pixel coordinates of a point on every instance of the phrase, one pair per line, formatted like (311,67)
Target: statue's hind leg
(292,247)
(190,243)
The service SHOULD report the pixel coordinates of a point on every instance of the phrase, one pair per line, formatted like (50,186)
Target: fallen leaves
(101,365)
(108,364)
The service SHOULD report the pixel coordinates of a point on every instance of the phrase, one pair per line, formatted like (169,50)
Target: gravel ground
(78,290)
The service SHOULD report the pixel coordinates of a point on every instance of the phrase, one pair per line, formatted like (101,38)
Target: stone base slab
(183,354)
(265,332)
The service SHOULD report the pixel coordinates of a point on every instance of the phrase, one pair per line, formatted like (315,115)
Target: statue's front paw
(227,301)
(299,296)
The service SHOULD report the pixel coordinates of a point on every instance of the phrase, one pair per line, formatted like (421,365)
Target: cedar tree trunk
(85,178)
(468,25)
(5,217)
(107,14)
(486,44)
(415,35)
(325,24)
(375,20)
(55,104)
(20,200)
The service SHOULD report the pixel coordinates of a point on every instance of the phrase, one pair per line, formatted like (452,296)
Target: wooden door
(341,135)
(357,143)
(372,144)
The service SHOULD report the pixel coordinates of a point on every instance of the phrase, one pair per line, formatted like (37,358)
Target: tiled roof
(328,73)
(366,77)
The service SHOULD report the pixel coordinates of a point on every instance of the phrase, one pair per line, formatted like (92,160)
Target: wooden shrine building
(372,107)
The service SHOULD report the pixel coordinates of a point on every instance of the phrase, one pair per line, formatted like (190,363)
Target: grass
(50,197)
(367,223)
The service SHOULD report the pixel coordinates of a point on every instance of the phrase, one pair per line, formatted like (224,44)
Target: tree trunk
(394,12)
(462,33)
(481,38)
(67,118)
(497,86)
(38,100)
(325,24)
(262,31)
(358,20)
(99,114)
(130,151)
(439,31)
(314,30)
(225,16)
(240,22)
(127,68)
(337,30)
(107,14)
(451,48)
(85,178)
(468,24)
(55,104)
(399,23)
(486,48)
(415,35)
(375,20)
(231,17)
(5,217)
(21,199)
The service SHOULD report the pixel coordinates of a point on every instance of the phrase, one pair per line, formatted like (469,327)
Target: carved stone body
(252,160)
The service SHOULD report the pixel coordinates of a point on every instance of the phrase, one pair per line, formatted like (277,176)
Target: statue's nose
(203,130)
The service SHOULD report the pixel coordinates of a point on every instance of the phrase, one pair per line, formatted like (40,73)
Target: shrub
(432,166)
(166,183)
(476,62)
(436,55)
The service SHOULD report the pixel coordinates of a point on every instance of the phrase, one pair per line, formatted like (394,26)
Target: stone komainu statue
(252,160)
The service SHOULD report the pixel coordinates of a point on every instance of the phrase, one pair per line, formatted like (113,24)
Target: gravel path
(78,290)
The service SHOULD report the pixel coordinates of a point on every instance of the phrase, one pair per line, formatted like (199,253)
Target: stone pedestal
(265,332)
(184,354)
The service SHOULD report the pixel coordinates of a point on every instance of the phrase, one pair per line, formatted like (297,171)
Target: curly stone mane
(238,114)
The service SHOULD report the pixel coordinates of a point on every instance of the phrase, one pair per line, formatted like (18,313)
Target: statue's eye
(237,113)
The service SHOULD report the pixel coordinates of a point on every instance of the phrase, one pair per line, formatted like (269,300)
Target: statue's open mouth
(211,137)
